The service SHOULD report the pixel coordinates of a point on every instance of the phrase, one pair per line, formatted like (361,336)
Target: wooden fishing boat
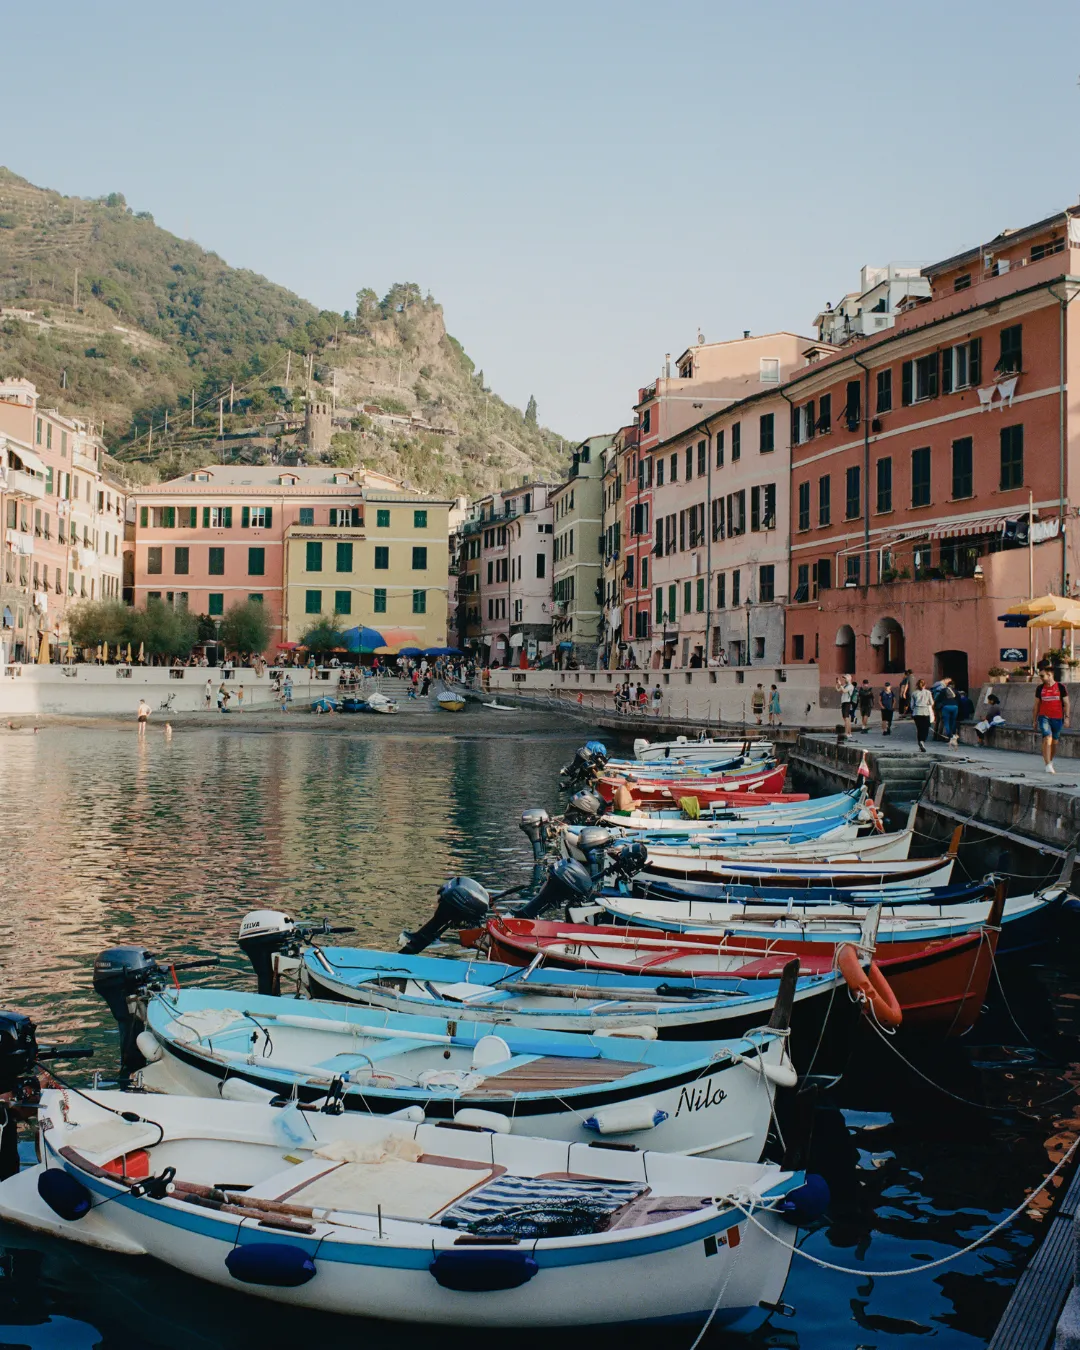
(750,870)
(837,845)
(451,702)
(252,1047)
(366,1216)
(645,792)
(758,809)
(682,747)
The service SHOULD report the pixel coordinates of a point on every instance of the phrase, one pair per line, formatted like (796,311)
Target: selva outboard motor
(580,769)
(568,883)
(583,808)
(120,975)
(462,903)
(264,933)
(626,857)
(534,823)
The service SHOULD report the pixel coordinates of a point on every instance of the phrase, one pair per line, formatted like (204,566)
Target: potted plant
(997,672)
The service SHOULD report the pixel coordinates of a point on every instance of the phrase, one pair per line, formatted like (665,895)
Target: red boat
(757,788)
(939,984)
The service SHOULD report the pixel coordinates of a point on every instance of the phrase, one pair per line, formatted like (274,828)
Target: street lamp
(748,609)
(665,660)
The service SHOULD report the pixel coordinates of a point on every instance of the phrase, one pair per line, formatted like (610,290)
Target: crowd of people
(939,705)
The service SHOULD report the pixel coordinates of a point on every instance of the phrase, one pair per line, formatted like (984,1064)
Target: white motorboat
(366,1216)
(683,748)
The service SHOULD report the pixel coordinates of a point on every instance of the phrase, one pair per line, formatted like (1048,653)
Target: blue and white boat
(712,1099)
(723,814)
(368,1216)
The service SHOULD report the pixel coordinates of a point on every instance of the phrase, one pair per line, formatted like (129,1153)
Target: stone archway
(845,650)
(887,643)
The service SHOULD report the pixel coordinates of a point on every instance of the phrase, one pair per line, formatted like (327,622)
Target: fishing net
(539,1207)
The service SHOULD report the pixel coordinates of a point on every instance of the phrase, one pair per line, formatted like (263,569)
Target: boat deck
(550,1072)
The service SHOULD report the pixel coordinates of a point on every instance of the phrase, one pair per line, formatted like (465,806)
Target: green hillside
(116,319)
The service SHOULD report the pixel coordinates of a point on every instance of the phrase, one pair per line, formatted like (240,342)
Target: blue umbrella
(443,651)
(362,639)
(410,651)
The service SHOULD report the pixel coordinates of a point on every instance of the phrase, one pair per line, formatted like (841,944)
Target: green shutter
(380,600)
(344,557)
(245,517)
(269,516)
(342,602)
(313,602)
(206,517)
(144,516)
(226,517)
(419,602)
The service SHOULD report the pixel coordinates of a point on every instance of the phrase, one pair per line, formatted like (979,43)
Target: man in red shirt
(1051,713)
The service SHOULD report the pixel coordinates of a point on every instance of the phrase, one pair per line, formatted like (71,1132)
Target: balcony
(21,484)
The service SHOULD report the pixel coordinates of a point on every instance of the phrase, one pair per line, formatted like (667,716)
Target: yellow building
(389,570)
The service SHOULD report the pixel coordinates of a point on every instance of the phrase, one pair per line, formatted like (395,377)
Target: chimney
(746,332)
(667,365)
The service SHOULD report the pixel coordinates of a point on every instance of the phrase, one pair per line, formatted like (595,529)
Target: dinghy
(835,846)
(251,1047)
(379,703)
(451,702)
(706,791)
(684,748)
(366,1216)
(761,811)
(751,870)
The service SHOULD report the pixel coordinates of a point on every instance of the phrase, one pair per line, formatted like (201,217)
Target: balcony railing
(22,484)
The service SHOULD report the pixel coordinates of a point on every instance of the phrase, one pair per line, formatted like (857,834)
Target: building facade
(611,529)
(578,555)
(933,468)
(883,293)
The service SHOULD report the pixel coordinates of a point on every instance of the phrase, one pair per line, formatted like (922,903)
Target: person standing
(143,714)
(1050,715)
(947,708)
(903,695)
(847,701)
(866,703)
(757,703)
(208,693)
(887,704)
(774,706)
(240,698)
(922,712)
(287,692)
(657,699)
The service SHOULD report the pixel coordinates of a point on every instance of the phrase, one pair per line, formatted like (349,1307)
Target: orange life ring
(870,987)
(875,816)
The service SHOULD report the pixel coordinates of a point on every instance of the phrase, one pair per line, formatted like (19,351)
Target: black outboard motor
(120,975)
(263,933)
(20,1055)
(568,883)
(462,903)
(626,857)
(584,808)
(593,840)
(535,822)
(578,773)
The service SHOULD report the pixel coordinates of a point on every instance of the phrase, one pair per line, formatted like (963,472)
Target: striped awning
(951,529)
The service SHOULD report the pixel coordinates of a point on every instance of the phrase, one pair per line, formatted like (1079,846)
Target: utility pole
(232,390)
(221,419)
(288,368)
(193,407)
(76,304)
(166,421)
(150,441)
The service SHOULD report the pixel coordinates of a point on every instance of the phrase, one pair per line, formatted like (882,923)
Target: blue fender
(274,1263)
(481,1272)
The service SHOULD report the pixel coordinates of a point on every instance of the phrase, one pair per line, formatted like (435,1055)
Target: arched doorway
(845,650)
(952,665)
(887,643)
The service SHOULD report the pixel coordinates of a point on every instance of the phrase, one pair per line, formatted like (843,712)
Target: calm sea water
(108,840)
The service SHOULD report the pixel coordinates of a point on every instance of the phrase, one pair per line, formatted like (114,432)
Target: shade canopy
(411,651)
(1042,604)
(1068,617)
(443,651)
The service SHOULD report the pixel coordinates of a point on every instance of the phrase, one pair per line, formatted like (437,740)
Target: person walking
(757,703)
(222,695)
(143,714)
(947,709)
(657,699)
(240,698)
(847,700)
(866,703)
(887,704)
(1050,715)
(903,695)
(208,693)
(922,712)
(774,706)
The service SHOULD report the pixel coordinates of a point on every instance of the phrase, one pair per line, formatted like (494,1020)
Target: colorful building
(578,554)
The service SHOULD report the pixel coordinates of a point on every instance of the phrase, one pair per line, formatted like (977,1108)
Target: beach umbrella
(129,653)
(105,652)
(1042,604)
(410,651)
(142,653)
(396,638)
(1067,618)
(43,657)
(444,651)
(362,639)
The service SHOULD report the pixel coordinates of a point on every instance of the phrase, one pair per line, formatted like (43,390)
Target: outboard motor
(120,976)
(584,808)
(592,841)
(568,883)
(599,752)
(20,1055)
(462,903)
(264,933)
(535,822)
(578,773)
(626,857)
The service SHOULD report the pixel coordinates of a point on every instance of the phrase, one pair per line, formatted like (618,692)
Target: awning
(516,639)
(565,646)
(29,459)
(957,528)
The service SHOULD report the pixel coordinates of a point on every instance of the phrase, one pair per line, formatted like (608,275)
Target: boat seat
(410,1190)
(108,1139)
(463,992)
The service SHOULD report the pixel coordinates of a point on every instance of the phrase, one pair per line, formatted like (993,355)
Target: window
(854,569)
(671,592)
(382,519)
(689,462)
(643,580)
(767,432)
(256,562)
(736,441)
(659,604)
(344,558)
(920,477)
(699,596)
(884,485)
(687,595)
(1012,456)
(180,560)
(1010,362)
(313,602)
(673,475)
(646,421)
(853,495)
(961,367)
(48,436)
(824,422)
(217,518)
(719,449)
(919,379)
(256,517)
(314,556)
(343,602)
(307,515)
(824,500)
(215,604)
(721,591)
(823,578)
(853,406)
(802,584)
(1046,250)
(419,558)
(884,391)
(256,598)
(769,370)
(419,520)
(962,474)
(766,582)
(962,283)
(217,562)
(736,585)
(702,449)
(659,472)
(797,647)
(382,558)
(804,506)
(153,561)
(380,600)
(541,566)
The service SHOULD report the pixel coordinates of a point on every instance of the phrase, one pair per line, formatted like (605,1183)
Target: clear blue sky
(580,184)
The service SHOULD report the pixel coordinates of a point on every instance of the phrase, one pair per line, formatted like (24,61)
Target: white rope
(732,1258)
(735,1203)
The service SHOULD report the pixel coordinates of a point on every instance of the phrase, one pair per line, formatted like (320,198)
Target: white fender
(644,1115)
(484,1120)
(239,1090)
(782,1074)
(148,1046)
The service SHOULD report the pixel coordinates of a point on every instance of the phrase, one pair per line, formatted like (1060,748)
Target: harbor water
(114,839)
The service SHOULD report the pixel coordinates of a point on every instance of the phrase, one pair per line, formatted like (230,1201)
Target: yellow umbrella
(98,655)
(142,655)
(43,651)
(105,652)
(1040,605)
(129,653)
(70,652)
(1067,617)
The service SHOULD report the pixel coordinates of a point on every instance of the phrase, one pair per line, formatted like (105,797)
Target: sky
(581,185)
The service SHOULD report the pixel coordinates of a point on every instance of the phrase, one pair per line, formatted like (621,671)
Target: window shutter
(810,428)
(226,512)
(755,508)
(794,426)
(907,375)
(946,370)
(245,517)
(144,515)
(269,516)
(974,361)
(932,375)
(206,517)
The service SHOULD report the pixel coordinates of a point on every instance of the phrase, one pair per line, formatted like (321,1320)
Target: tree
(246,628)
(162,630)
(92,622)
(530,411)
(323,635)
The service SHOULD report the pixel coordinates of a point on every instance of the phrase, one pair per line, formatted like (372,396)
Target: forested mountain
(117,320)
